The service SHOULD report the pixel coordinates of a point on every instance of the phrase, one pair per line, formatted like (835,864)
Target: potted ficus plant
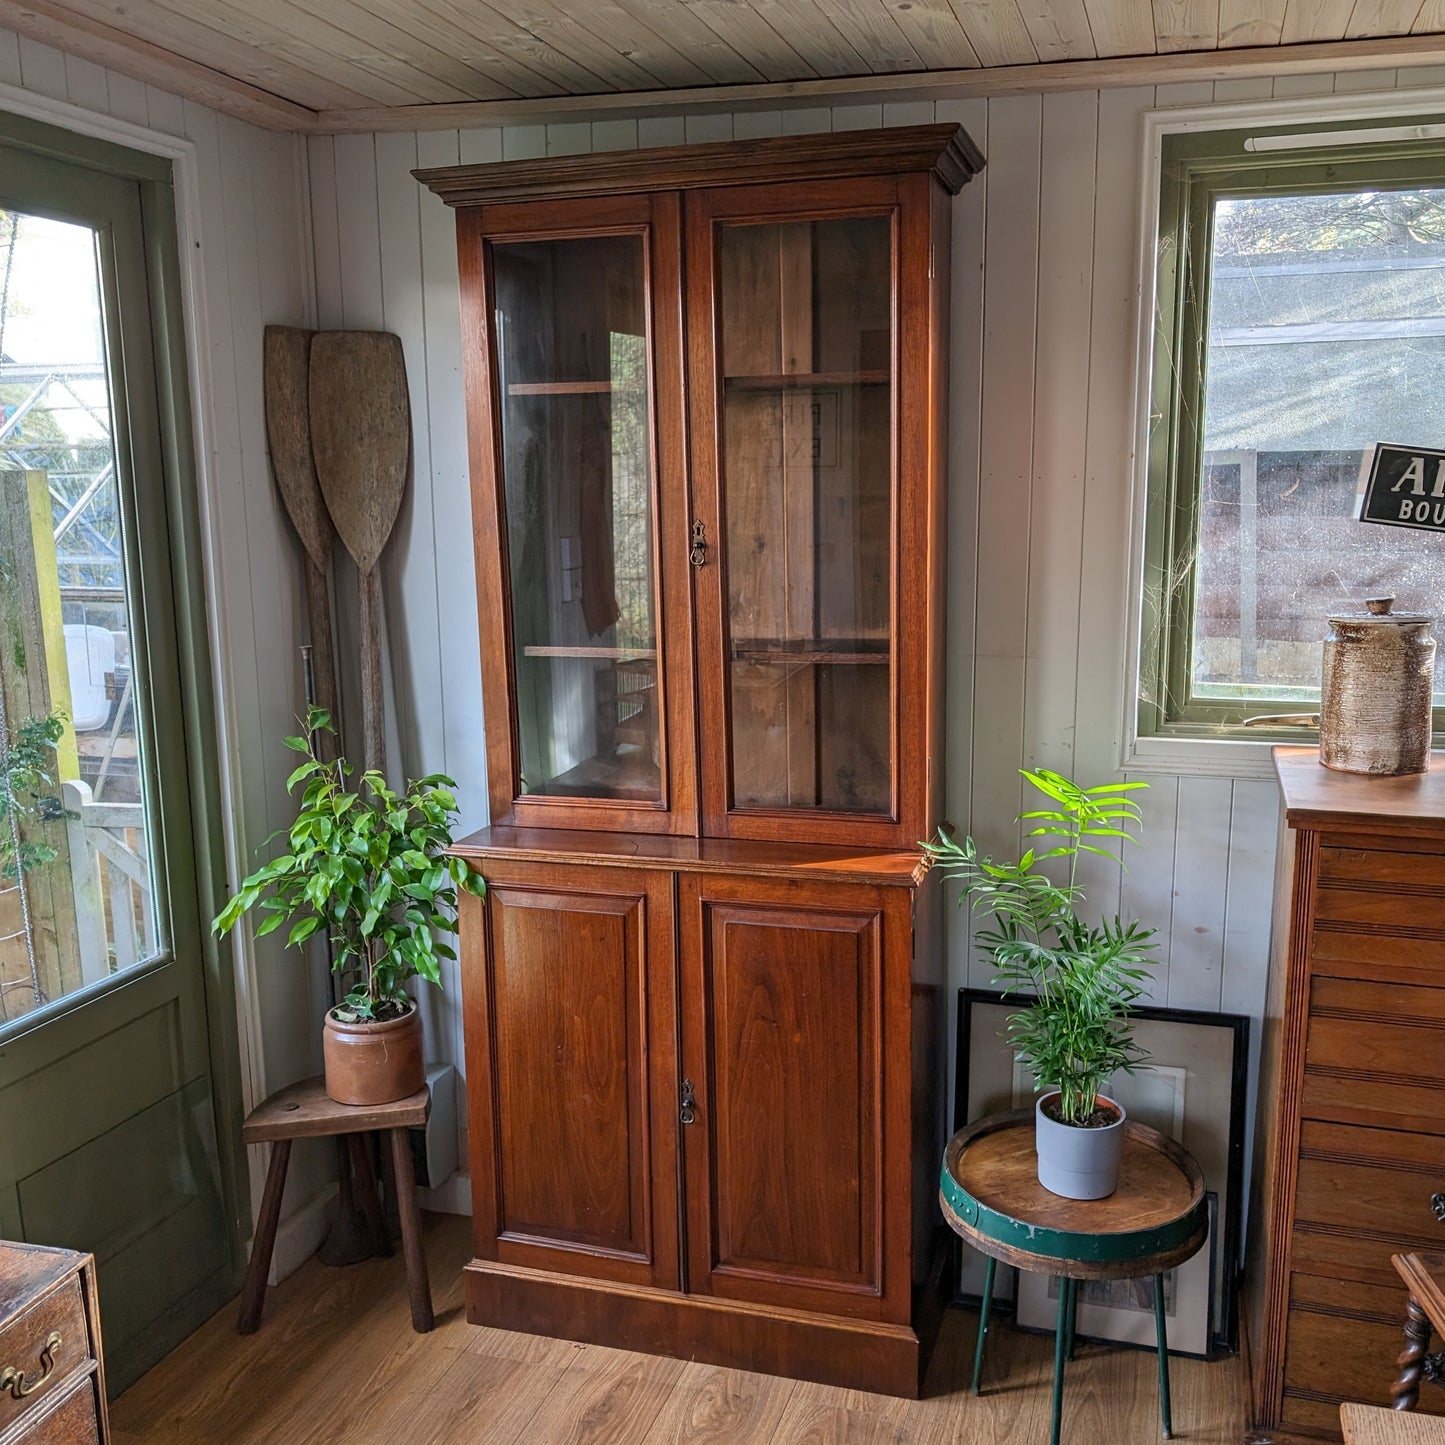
(369,867)
(1084,977)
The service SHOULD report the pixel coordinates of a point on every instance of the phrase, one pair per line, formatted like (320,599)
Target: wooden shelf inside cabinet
(845,652)
(568,388)
(806,380)
(608,654)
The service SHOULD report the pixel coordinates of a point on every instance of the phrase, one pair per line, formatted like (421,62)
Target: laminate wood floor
(336,1360)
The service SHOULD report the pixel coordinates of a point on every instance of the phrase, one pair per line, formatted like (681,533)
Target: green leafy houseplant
(1085,976)
(370,868)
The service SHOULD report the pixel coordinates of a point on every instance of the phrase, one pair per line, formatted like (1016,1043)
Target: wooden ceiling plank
(387,43)
(723,64)
(1306,20)
(554,24)
(299,42)
(1059,29)
(934,30)
(996,31)
(532,66)
(1039,79)
(182,34)
(875,31)
(1186,25)
(1250,22)
(747,32)
(116,50)
(1383,17)
(809,28)
(1120,27)
(645,43)
(1431,19)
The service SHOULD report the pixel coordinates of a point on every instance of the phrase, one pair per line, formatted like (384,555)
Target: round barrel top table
(1157,1218)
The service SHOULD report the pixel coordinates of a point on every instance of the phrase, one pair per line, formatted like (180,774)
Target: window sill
(1206,757)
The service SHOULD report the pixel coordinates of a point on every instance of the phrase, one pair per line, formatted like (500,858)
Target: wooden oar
(361,439)
(288,429)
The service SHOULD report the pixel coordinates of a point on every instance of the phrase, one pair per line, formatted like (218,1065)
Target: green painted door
(113,1009)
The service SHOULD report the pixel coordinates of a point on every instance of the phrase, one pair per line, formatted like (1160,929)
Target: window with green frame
(1300,281)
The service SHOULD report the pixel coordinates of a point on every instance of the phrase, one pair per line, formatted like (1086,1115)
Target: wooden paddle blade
(360,435)
(284,372)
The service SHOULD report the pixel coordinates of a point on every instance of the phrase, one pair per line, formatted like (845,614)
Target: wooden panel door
(569,995)
(795,1007)
(571,313)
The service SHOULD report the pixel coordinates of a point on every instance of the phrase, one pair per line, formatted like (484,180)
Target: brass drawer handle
(14,1380)
(1437,1206)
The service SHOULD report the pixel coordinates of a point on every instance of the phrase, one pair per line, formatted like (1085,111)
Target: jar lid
(1378,610)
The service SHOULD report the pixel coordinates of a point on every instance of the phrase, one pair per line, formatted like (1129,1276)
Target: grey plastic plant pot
(1078,1163)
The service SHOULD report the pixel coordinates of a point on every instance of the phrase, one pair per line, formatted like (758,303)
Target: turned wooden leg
(358,1147)
(253,1292)
(416,1278)
(1406,1390)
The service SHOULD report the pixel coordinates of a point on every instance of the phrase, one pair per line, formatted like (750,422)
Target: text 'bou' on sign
(1404,487)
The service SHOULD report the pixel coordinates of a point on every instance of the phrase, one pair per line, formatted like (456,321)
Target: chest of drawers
(52,1386)
(1350,1144)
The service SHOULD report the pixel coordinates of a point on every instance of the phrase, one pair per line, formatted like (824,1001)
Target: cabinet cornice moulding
(944,151)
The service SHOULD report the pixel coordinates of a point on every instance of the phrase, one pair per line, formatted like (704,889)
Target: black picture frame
(1226,1324)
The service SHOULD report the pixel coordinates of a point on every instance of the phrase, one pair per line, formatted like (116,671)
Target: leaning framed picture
(1122,1310)
(1192,1089)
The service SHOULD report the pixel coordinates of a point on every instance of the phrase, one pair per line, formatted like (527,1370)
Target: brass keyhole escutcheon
(698,555)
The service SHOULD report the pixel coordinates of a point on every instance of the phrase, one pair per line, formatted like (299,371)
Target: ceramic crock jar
(1375,691)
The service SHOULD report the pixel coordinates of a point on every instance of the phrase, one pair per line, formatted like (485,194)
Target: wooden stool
(1157,1218)
(1370,1425)
(1424,1276)
(305,1112)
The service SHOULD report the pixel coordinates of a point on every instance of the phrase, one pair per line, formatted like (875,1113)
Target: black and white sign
(1404,487)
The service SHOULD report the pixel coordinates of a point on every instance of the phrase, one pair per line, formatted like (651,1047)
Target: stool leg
(1059,1332)
(253,1292)
(1073,1286)
(358,1147)
(417,1284)
(989,1270)
(1405,1392)
(1162,1333)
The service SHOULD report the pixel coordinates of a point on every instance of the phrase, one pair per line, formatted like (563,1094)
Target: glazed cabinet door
(568,981)
(574,385)
(795,1007)
(809,346)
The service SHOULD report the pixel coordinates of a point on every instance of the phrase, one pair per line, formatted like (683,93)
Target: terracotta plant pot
(373,1063)
(1078,1163)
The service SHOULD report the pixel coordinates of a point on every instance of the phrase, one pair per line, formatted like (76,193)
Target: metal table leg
(1060,1329)
(988,1273)
(1162,1335)
(1072,1286)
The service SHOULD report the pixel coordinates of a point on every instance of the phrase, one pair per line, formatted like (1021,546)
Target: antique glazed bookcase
(706,392)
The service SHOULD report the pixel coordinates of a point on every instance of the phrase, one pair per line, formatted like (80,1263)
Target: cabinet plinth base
(885,1359)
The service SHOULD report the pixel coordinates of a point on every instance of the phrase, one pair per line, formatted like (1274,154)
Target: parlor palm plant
(1084,977)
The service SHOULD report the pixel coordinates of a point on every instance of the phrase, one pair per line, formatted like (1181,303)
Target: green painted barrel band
(1066,1244)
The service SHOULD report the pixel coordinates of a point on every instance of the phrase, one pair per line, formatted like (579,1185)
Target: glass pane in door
(77,893)
(575,396)
(806,322)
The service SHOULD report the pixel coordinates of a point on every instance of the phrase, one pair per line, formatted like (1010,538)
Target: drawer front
(44,1345)
(1380,912)
(1363,1195)
(1341,1342)
(1375,1054)
(74,1421)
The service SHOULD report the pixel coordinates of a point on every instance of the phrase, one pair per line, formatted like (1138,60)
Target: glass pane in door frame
(564,714)
(878,644)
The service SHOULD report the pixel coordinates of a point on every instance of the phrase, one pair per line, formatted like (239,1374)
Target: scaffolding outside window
(1300,320)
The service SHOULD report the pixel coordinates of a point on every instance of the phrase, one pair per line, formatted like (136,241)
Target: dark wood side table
(1424,1276)
(305,1112)
(1157,1218)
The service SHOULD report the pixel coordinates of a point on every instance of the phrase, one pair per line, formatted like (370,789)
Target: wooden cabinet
(707,390)
(52,1387)
(1350,1148)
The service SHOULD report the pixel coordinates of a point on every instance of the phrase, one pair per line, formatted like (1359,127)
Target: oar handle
(373,729)
(323,657)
